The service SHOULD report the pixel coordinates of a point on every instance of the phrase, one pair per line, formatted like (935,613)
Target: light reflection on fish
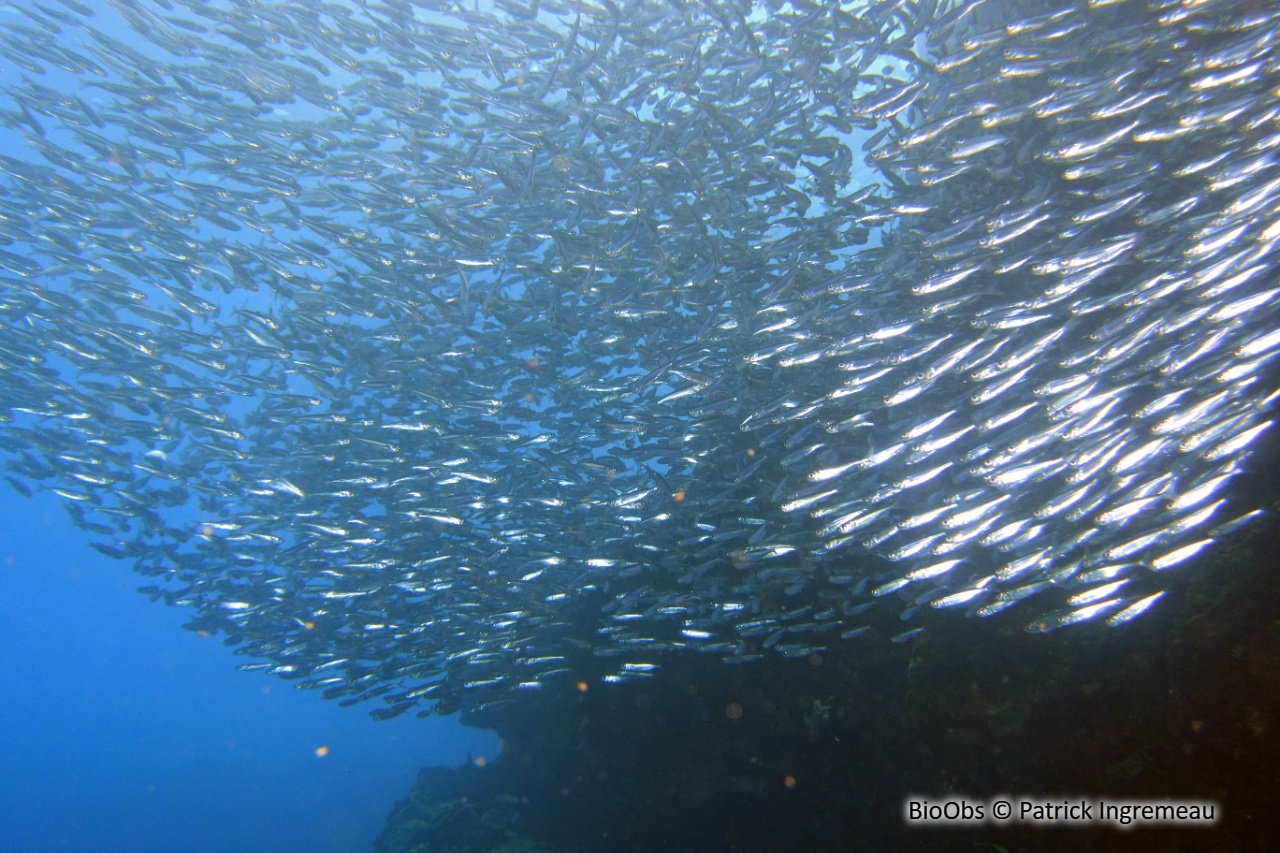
(420,348)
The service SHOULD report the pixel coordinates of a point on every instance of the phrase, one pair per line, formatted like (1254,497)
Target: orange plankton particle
(207,531)
(582,687)
(789,781)
(309,625)
(751,451)
(479,761)
(322,751)
(733,711)
(678,496)
(531,362)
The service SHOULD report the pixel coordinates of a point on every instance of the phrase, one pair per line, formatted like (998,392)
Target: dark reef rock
(457,810)
(819,754)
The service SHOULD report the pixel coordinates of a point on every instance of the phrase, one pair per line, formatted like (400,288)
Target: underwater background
(121,731)
(821,754)
(688,426)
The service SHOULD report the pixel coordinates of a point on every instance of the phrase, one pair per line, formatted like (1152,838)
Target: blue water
(119,731)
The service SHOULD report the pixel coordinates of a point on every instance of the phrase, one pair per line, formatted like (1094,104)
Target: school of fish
(422,349)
